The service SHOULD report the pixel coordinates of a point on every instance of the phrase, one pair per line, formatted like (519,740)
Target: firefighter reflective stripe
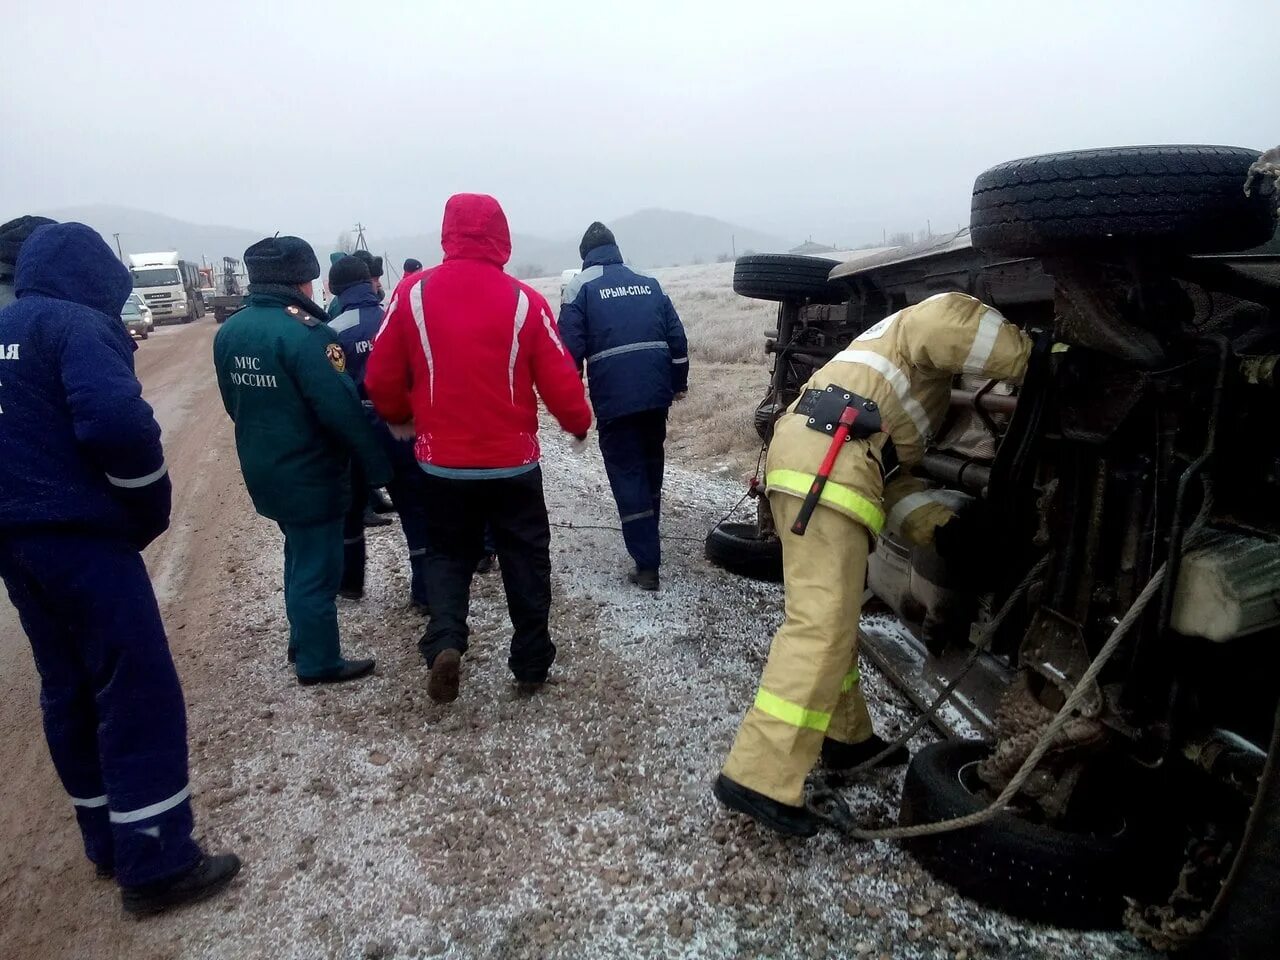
(790,713)
(898,383)
(420,320)
(154,810)
(522,313)
(133,483)
(851,680)
(833,494)
(907,506)
(629,348)
(644,515)
(983,342)
(90,802)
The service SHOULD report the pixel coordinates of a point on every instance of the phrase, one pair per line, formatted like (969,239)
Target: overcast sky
(835,119)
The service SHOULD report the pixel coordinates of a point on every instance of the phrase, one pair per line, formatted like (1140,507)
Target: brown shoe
(442,686)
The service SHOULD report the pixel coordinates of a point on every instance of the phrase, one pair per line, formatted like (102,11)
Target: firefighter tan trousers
(810,688)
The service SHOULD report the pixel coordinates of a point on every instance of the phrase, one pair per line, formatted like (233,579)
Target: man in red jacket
(462,350)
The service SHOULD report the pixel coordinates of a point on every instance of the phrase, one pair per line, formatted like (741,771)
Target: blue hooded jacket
(356,327)
(624,328)
(79,447)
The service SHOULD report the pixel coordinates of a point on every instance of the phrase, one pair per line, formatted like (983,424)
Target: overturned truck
(1138,473)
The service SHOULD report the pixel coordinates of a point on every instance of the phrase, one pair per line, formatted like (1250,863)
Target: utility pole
(119,252)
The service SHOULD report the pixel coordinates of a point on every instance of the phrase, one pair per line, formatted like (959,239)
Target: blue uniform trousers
(632,447)
(113,710)
(312,574)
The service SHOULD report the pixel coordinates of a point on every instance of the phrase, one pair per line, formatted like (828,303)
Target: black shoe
(372,519)
(644,579)
(351,593)
(210,875)
(781,817)
(527,688)
(446,677)
(379,502)
(488,563)
(104,871)
(350,670)
(845,756)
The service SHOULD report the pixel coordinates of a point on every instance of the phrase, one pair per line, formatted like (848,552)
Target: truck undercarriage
(1146,440)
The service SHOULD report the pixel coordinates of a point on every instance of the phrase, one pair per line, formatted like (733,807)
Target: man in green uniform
(299,423)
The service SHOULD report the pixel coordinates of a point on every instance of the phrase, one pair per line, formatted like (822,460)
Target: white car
(148,318)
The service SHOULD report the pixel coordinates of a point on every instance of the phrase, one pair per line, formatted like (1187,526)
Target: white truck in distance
(169,286)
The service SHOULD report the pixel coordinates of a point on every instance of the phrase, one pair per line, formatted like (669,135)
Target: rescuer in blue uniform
(83,489)
(624,328)
(356,328)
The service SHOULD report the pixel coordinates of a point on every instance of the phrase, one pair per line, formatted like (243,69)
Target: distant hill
(143,232)
(649,239)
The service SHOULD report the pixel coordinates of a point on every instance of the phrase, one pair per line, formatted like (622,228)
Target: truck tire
(739,548)
(1186,199)
(1026,869)
(780,278)
(1243,923)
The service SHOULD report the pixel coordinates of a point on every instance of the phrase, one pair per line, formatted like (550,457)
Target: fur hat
(284,260)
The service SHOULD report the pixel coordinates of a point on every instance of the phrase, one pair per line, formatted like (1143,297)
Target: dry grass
(722,326)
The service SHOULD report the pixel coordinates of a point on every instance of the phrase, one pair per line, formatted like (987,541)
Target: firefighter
(299,423)
(83,489)
(809,703)
(624,329)
(356,327)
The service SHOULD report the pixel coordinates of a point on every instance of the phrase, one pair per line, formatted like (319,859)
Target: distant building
(811,249)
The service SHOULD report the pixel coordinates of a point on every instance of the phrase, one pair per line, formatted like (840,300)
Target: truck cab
(168,285)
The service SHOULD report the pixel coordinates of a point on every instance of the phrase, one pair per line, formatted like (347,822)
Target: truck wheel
(1026,869)
(739,548)
(1242,924)
(780,278)
(1187,199)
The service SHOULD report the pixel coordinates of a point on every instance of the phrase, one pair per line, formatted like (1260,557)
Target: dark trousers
(409,494)
(353,544)
(515,511)
(632,447)
(114,715)
(312,574)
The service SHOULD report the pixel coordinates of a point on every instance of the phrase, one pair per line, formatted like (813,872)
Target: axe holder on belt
(844,416)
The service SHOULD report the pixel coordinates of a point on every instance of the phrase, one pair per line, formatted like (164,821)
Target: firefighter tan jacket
(905,363)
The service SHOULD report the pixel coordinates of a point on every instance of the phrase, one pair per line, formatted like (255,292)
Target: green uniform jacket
(297,415)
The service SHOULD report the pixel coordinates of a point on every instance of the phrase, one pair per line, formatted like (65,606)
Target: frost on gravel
(574,824)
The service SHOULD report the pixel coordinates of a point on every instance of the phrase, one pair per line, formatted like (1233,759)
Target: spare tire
(1187,199)
(1026,869)
(739,548)
(786,278)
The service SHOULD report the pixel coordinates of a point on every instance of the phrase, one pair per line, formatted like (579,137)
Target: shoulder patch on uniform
(336,357)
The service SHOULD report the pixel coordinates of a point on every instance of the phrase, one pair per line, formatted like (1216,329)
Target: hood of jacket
(475,228)
(602,256)
(359,295)
(70,261)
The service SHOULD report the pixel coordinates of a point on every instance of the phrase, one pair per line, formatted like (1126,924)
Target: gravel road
(376,824)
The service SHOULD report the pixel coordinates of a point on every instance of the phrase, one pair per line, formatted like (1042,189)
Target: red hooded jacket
(464,346)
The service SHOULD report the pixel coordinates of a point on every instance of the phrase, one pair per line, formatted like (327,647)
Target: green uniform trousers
(810,688)
(312,575)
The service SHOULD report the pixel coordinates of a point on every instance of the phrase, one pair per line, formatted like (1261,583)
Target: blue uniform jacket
(79,447)
(356,327)
(624,328)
